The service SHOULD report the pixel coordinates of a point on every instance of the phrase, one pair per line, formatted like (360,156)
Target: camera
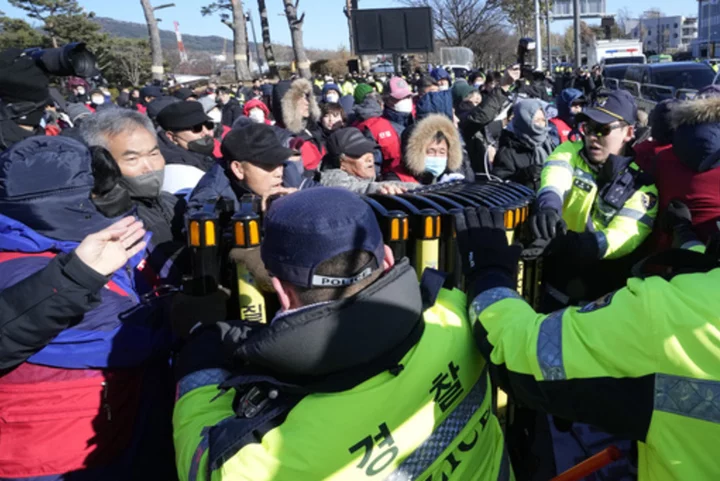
(74,59)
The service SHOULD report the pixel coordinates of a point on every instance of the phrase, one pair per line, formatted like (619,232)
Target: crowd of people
(112,367)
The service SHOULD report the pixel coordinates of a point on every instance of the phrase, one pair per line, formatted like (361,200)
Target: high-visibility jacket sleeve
(196,411)
(557,176)
(630,226)
(590,365)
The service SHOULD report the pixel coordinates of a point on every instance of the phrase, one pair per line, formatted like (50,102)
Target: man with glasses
(187,135)
(594,202)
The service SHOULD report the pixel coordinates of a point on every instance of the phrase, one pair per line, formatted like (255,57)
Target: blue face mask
(435,165)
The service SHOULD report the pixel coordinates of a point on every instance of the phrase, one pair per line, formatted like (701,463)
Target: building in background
(708,29)
(665,34)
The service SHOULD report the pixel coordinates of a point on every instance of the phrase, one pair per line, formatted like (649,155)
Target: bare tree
(267,44)
(459,22)
(155,45)
(295,24)
(232,15)
(623,20)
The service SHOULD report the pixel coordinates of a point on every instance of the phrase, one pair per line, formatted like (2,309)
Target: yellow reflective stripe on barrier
(427,253)
(254,233)
(239,234)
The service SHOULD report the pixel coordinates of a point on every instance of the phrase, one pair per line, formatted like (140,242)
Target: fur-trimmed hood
(697,132)
(419,137)
(291,119)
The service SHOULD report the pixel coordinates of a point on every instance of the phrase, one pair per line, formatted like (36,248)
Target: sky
(325,24)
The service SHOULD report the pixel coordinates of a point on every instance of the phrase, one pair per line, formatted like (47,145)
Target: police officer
(363,373)
(591,189)
(641,362)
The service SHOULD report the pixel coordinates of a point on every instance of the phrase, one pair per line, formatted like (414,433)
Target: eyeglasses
(599,130)
(196,129)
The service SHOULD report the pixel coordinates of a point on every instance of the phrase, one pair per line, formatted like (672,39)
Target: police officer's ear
(629,133)
(237,169)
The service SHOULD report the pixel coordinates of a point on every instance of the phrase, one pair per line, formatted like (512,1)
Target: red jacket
(699,190)
(217,152)
(563,129)
(388,140)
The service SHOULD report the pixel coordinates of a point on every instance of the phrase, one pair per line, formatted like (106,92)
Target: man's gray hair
(98,128)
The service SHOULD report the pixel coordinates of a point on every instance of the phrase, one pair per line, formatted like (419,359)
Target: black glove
(547,223)
(488,261)
(678,221)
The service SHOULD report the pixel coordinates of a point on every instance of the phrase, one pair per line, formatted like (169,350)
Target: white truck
(609,52)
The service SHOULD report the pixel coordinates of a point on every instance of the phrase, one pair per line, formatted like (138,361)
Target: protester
(331,93)
(464,92)
(369,119)
(426,85)
(185,94)
(186,137)
(24,86)
(231,108)
(296,111)
(442,77)
(312,346)
(332,118)
(104,378)
(583,82)
(569,103)
(524,146)
(687,169)
(147,95)
(70,283)
(253,162)
(398,105)
(432,149)
(350,164)
(132,143)
(257,111)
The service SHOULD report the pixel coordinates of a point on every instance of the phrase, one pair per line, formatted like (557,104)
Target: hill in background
(199,44)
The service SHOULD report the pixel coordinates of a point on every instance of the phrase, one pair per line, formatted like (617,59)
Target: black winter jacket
(514,161)
(38,308)
(231,111)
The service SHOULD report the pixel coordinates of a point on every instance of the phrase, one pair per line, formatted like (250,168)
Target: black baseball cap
(257,144)
(182,116)
(351,142)
(611,107)
(184,94)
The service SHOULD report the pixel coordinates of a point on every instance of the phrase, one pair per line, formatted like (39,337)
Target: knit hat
(460,90)
(362,91)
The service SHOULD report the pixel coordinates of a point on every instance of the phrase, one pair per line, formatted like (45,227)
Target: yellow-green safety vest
(348,88)
(618,233)
(432,421)
(648,354)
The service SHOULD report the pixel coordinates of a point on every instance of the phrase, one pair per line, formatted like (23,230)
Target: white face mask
(257,116)
(444,87)
(404,106)
(383,79)
(215,116)
(80,91)
(332,98)
(97,100)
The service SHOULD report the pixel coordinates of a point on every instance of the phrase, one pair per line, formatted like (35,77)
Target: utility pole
(257,50)
(538,37)
(576,25)
(154,33)
(547,34)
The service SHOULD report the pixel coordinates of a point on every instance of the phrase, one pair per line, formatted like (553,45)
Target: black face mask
(114,203)
(204,146)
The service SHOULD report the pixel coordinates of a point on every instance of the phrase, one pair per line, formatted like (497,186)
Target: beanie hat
(361,91)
